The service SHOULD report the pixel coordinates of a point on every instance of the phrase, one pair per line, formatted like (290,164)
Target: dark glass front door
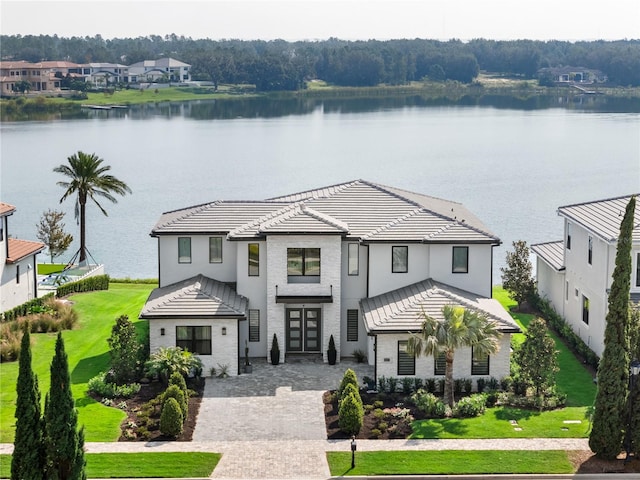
(303,329)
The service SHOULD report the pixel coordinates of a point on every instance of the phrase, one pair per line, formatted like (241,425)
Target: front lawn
(140,465)
(450,462)
(88,352)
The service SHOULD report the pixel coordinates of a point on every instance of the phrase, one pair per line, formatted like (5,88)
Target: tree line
(282,65)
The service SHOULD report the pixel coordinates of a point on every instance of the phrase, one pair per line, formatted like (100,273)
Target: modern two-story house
(575,274)
(357,261)
(18,280)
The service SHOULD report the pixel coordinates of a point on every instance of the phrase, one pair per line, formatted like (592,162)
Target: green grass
(88,353)
(140,465)
(47,268)
(134,96)
(450,462)
(573,379)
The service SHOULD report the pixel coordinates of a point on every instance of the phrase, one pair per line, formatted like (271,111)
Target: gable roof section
(6,209)
(358,209)
(196,297)
(399,311)
(552,253)
(603,217)
(20,249)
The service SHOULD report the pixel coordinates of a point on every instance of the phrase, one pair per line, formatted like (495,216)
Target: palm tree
(88,179)
(460,328)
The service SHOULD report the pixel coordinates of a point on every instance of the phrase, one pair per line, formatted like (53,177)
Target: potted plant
(332,353)
(275,351)
(247,364)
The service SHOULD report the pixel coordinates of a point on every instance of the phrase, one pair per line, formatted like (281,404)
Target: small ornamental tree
(516,277)
(348,378)
(537,358)
(350,414)
(51,233)
(609,416)
(126,351)
(27,461)
(171,418)
(65,455)
(174,391)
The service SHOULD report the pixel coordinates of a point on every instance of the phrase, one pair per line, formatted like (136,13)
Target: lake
(511,162)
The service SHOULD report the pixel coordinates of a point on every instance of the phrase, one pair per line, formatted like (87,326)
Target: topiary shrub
(350,415)
(171,418)
(348,378)
(177,379)
(173,391)
(349,389)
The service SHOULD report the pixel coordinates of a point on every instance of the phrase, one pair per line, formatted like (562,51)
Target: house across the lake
(357,261)
(575,274)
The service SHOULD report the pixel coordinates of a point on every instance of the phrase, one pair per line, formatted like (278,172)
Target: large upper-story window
(399,259)
(303,265)
(353,264)
(460,260)
(585,309)
(194,339)
(184,249)
(254,259)
(215,249)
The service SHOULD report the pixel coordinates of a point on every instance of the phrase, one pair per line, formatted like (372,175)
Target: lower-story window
(194,339)
(479,362)
(406,362)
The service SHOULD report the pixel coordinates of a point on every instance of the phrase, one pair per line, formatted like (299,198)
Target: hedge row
(563,329)
(25,308)
(89,284)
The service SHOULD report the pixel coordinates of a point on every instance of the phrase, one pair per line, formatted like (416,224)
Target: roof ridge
(599,201)
(340,186)
(188,212)
(265,220)
(393,222)
(325,218)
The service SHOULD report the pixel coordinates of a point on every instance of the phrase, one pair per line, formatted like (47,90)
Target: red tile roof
(6,209)
(19,249)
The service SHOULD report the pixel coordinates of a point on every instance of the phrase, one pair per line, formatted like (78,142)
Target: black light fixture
(162,331)
(354,446)
(634,371)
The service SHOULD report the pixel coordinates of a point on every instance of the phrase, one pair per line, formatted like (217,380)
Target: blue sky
(321,19)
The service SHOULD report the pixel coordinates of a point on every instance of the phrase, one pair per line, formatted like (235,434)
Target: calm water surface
(511,166)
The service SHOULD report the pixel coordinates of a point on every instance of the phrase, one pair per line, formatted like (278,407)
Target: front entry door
(303,329)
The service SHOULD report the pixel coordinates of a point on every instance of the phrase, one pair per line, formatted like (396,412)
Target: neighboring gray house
(170,69)
(357,261)
(575,274)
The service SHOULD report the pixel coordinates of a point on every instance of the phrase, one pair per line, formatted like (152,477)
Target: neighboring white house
(18,278)
(575,274)
(357,261)
(101,74)
(164,68)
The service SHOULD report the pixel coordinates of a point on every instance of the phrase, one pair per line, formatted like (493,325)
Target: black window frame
(403,358)
(586,303)
(306,255)
(480,366)
(213,259)
(254,329)
(352,325)
(253,268)
(459,268)
(396,267)
(439,363)
(192,343)
(351,257)
(568,236)
(590,250)
(17,273)
(638,270)
(180,246)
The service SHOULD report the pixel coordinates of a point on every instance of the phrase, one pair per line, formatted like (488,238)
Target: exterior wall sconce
(162,331)
(224,330)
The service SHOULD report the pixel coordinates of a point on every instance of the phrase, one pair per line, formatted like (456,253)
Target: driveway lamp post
(353,451)
(634,370)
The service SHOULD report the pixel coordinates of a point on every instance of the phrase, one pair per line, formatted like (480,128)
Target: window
(254,325)
(1,230)
(479,362)
(215,249)
(254,259)
(637,268)
(566,295)
(439,363)
(406,362)
(352,325)
(460,263)
(568,236)
(590,254)
(303,262)
(194,339)
(399,259)
(184,249)
(585,309)
(353,264)
(17,273)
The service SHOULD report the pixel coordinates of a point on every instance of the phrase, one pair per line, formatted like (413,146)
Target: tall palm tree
(88,179)
(460,328)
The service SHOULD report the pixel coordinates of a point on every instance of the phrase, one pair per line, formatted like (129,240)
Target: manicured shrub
(178,379)
(101,386)
(25,308)
(349,378)
(417,384)
(481,382)
(471,406)
(392,384)
(349,389)
(493,384)
(407,385)
(171,418)
(430,384)
(429,404)
(382,383)
(90,284)
(173,391)
(350,415)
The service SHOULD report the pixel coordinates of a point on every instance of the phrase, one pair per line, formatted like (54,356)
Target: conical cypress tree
(27,462)
(634,397)
(609,419)
(62,441)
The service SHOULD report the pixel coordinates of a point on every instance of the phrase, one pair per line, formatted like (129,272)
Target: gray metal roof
(603,217)
(401,310)
(196,297)
(358,209)
(552,253)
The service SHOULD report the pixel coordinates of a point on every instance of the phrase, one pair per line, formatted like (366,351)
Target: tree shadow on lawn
(87,368)
(510,413)
(434,428)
